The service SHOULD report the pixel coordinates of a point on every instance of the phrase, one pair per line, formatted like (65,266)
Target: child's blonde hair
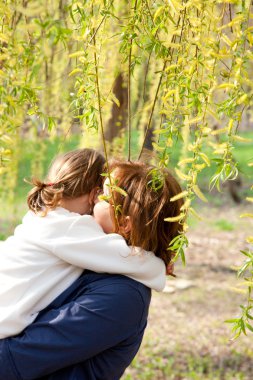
(71,175)
(147,204)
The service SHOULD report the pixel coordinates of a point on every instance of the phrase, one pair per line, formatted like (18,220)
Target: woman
(94,329)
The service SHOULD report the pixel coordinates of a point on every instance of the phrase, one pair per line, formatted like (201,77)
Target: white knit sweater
(47,254)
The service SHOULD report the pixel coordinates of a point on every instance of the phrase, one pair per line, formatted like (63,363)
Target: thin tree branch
(129,93)
(100,24)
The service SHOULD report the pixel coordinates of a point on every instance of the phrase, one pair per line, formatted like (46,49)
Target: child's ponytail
(43,196)
(71,175)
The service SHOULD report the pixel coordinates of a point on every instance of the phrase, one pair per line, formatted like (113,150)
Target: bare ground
(186,337)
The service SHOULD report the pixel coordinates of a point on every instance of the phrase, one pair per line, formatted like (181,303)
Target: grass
(192,367)
(224,225)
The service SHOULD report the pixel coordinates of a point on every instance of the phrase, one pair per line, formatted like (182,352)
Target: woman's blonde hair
(71,175)
(147,204)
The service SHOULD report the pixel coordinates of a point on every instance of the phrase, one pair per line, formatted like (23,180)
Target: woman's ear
(126,225)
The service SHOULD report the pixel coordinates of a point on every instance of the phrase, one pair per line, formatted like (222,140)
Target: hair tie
(49,184)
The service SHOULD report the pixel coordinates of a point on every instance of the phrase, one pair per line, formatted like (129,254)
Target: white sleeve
(85,245)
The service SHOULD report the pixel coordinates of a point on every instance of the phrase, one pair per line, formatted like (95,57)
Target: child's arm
(86,245)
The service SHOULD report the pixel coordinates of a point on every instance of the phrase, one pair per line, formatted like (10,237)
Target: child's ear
(126,225)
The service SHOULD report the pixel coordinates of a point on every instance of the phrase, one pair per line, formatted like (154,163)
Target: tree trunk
(118,117)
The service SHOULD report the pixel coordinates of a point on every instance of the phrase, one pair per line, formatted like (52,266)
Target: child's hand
(170,270)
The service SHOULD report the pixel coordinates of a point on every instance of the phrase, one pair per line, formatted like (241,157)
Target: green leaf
(247,253)
(119,190)
(234,320)
(243,267)
(249,316)
(249,327)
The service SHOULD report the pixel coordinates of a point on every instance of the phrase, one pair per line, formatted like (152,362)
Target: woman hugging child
(59,238)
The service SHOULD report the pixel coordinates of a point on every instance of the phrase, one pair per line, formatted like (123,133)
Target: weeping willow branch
(129,92)
(102,126)
(99,99)
(150,54)
(152,110)
(156,95)
(101,23)
(99,104)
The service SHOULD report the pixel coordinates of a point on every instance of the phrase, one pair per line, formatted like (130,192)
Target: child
(58,238)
